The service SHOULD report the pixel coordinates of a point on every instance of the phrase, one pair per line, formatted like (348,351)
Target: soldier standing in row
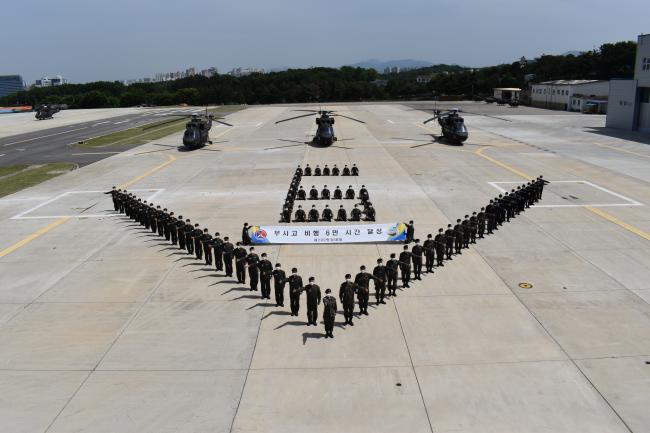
(379,275)
(346,171)
(429,252)
(326,170)
(228,255)
(252,262)
(313,193)
(312,292)
(458,233)
(240,263)
(405,266)
(416,256)
(338,194)
(329,311)
(266,272)
(206,241)
(189,240)
(355,170)
(450,238)
(302,194)
(217,245)
(362,281)
(335,171)
(480,219)
(245,237)
(198,246)
(180,232)
(439,243)
(173,224)
(391,274)
(466,234)
(279,281)
(295,288)
(346,295)
(410,232)
(473,227)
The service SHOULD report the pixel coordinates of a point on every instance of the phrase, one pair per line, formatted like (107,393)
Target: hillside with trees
(315,85)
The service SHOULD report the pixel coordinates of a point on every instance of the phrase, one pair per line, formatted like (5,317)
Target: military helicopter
(452,125)
(46,112)
(197,130)
(325,132)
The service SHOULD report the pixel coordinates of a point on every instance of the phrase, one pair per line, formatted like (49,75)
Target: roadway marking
(22,215)
(624,150)
(102,123)
(45,136)
(619,223)
(2,155)
(480,151)
(60,221)
(592,209)
(630,202)
(38,233)
(171,158)
(123,121)
(93,153)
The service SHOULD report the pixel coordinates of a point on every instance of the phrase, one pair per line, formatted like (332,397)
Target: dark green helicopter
(452,125)
(325,132)
(46,111)
(197,129)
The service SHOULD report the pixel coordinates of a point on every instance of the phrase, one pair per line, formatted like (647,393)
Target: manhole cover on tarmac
(525,285)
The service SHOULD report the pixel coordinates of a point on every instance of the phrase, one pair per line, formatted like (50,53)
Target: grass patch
(31,177)
(154,131)
(6,171)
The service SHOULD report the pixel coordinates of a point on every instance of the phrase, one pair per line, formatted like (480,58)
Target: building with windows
(629,100)
(560,94)
(11,84)
(507,93)
(57,80)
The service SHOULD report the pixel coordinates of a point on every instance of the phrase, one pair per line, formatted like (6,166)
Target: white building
(560,94)
(629,100)
(57,80)
(507,93)
(242,72)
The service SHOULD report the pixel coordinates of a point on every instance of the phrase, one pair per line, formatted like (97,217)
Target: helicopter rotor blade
(223,123)
(292,118)
(429,120)
(348,117)
(291,141)
(288,145)
(310,111)
(424,144)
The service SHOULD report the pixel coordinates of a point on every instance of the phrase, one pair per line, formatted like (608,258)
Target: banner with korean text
(343,234)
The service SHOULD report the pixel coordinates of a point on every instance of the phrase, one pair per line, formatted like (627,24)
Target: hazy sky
(88,40)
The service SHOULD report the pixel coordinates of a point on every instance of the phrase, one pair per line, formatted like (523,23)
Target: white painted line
(630,202)
(45,136)
(22,215)
(123,121)
(2,155)
(95,153)
(390,121)
(102,123)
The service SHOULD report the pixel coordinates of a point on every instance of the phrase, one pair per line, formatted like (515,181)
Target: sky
(89,40)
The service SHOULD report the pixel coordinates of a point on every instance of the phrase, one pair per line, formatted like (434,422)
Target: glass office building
(11,84)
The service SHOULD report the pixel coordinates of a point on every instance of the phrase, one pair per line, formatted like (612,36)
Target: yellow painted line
(171,158)
(624,150)
(33,236)
(619,223)
(597,211)
(58,222)
(480,151)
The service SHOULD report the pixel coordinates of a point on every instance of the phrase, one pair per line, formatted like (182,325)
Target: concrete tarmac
(107,328)
(38,144)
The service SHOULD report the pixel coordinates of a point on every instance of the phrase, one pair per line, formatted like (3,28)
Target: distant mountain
(380,65)
(572,53)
